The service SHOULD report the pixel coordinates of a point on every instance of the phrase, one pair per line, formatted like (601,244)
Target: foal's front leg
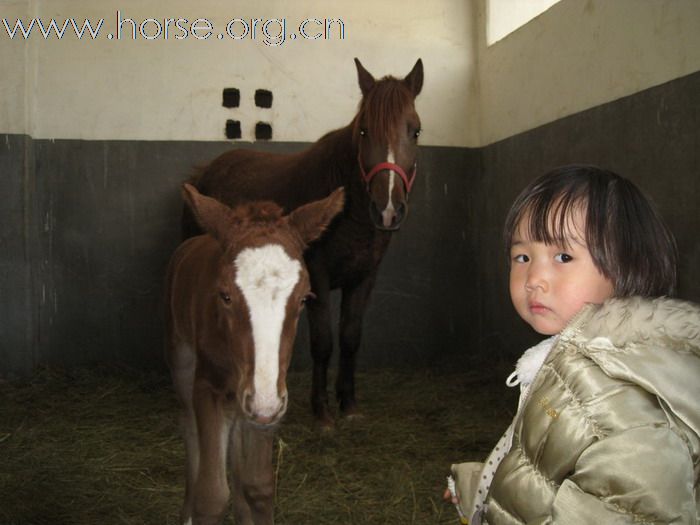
(210,494)
(182,362)
(252,474)
(352,310)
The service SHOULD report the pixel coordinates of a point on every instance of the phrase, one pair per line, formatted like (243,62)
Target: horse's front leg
(318,311)
(252,474)
(354,303)
(210,493)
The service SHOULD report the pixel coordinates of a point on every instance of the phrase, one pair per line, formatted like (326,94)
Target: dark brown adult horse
(233,300)
(374,159)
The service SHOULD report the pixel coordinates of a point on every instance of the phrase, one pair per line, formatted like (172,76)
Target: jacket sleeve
(640,475)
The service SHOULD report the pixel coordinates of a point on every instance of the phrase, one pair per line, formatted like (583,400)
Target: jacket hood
(654,343)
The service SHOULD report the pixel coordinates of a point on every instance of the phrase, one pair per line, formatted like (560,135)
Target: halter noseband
(367,177)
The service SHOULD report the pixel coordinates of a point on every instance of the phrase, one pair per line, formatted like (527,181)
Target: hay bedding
(102,446)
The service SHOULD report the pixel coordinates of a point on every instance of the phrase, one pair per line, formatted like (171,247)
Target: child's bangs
(550,218)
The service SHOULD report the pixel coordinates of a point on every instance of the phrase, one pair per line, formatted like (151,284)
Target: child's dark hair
(628,240)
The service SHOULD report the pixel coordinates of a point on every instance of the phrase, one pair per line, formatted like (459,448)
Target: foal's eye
(225,297)
(363,132)
(416,133)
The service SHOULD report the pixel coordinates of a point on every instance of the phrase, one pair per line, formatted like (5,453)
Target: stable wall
(125,89)
(611,83)
(651,137)
(96,138)
(110,129)
(580,54)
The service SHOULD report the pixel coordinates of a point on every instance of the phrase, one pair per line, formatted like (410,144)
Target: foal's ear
(310,220)
(364,78)
(210,214)
(414,80)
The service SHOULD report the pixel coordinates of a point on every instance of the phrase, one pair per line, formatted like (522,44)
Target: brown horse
(374,159)
(233,300)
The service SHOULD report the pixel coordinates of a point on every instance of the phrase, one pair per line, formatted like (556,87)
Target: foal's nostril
(248,402)
(283,403)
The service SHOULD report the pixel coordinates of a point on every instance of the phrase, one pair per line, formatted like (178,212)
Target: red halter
(367,177)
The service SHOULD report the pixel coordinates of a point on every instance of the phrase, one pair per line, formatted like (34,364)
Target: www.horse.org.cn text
(271,31)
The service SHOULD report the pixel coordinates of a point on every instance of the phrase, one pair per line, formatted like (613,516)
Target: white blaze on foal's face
(266,276)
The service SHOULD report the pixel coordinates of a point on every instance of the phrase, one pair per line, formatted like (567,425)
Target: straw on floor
(103,446)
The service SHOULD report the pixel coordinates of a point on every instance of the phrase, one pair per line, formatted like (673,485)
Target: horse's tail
(188,224)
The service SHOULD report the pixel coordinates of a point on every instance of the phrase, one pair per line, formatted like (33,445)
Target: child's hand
(447,496)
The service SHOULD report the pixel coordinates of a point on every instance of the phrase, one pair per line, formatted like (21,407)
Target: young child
(608,424)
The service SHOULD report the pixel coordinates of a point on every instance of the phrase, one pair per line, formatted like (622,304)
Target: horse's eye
(363,132)
(309,296)
(225,297)
(416,133)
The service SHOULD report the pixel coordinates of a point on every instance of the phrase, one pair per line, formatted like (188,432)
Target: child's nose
(536,278)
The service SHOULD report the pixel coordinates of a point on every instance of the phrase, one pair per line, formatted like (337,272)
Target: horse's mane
(386,103)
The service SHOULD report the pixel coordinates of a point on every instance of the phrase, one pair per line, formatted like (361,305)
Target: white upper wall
(576,55)
(580,54)
(172,89)
(13,58)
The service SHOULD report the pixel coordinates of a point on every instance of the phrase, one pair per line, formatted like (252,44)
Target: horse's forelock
(257,212)
(382,108)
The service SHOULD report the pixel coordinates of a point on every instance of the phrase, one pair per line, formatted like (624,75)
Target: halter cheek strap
(407,180)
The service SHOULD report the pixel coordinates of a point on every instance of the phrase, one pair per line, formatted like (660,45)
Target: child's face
(549,284)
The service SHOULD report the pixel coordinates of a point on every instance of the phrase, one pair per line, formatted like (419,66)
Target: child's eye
(521,258)
(563,258)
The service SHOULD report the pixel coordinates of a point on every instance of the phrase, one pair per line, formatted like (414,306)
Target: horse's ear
(310,220)
(364,78)
(211,215)
(414,80)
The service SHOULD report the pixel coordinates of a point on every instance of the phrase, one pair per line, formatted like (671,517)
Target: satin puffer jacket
(610,432)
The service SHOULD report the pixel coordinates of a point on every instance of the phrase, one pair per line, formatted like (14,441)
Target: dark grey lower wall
(91,225)
(651,137)
(18,341)
(87,227)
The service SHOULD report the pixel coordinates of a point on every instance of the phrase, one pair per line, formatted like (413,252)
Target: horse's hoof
(325,426)
(356,416)
(324,421)
(351,413)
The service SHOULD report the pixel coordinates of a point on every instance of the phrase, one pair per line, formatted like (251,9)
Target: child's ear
(310,220)
(211,215)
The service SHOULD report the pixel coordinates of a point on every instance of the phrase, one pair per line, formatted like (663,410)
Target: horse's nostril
(400,212)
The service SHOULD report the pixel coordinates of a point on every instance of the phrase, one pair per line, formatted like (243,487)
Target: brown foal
(233,299)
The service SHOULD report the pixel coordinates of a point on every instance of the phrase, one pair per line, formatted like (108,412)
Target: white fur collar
(530,362)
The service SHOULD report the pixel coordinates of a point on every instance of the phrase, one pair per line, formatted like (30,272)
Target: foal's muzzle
(265,417)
